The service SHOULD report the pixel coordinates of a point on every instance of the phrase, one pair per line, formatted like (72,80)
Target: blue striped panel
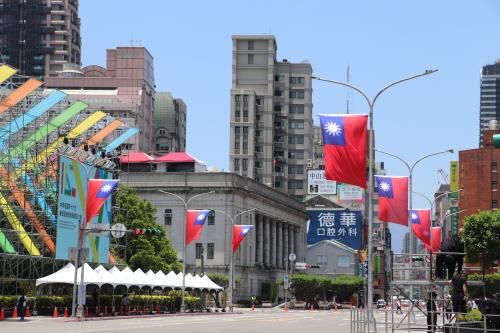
(121,139)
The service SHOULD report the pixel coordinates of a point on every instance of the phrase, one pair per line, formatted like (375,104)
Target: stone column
(291,238)
(259,246)
(279,247)
(267,241)
(273,243)
(285,242)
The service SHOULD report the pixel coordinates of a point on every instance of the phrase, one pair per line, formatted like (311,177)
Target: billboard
(317,183)
(454,220)
(71,206)
(350,192)
(343,226)
(454,179)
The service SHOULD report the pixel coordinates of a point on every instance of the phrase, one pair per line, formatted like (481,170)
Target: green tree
(144,252)
(481,237)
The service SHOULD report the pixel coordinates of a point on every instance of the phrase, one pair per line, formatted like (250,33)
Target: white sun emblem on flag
(332,128)
(385,186)
(414,216)
(106,188)
(201,217)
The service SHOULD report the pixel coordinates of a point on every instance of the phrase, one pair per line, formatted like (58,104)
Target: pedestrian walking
(398,306)
(447,307)
(431,312)
(22,302)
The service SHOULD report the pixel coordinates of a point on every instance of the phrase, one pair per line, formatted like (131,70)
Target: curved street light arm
(198,195)
(426,156)
(427,72)
(431,203)
(241,213)
(445,193)
(175,195)
(346,85)
(395,156)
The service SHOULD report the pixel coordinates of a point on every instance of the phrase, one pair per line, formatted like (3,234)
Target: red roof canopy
(136,157)
(180,157)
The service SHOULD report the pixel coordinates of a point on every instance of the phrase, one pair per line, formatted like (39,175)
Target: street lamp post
(410,189)
(186,203)
(231,254)
(371,147)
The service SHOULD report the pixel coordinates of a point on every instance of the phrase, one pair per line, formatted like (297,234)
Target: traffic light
(496,140)
(146,232)
(313,266)
(362,255)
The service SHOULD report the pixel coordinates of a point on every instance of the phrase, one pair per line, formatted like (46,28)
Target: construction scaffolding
(36,127)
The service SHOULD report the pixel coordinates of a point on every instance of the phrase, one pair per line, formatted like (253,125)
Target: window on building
(237,113)
(237,98)
(245,130)
(296,108)
(236,164)
(250,59)
(277,107)
(211,218)
(343,261)
(296,124)
(299,94)
(295,184)
(210,251)
(493,166)
(244,164)
(296,80)
(494,185)
(250,44)
(277,184)
(259,100)
(168,217)
(278,78)
(199,250)
(321,260)
(296,169)
(494,204)
(296,139)
(277,92)
(245,113)
(236,130)
(163,131)
(296,154)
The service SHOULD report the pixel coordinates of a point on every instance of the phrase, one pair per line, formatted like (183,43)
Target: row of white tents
(100,276)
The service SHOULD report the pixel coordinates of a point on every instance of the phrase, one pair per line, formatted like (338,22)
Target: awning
(180,157)
(136,157)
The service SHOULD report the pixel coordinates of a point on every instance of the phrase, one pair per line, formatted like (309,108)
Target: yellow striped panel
(14,222)
(5,72)
(75,132)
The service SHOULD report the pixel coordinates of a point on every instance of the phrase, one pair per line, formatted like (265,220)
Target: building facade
(169,122)
(271,129)
(479,178)
(38,36)
(279,223)
(334,258)
(490,97)
(125,89)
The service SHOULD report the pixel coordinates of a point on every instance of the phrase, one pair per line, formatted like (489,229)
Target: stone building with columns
(279,223)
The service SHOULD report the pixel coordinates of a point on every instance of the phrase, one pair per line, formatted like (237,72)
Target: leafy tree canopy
(481,237)
(144,252)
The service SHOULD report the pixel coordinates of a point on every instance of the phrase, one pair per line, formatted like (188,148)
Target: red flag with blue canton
(344,148)
(435,239)
(421,225)
(98,191)
(239,233)
(392,199)
(195,219)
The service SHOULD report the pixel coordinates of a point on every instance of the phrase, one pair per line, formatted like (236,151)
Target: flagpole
(184,246)
(371,158)
(231,254)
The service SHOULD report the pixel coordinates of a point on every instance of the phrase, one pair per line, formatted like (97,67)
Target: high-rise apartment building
(39,36)
(125,89)
(169,123)
(490,97)
(271,136)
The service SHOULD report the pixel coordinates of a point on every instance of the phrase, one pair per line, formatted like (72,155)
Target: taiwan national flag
(239,233)
(435,239)
(345,146)
(195,219)
(98,191)
(421,225)
(392,199)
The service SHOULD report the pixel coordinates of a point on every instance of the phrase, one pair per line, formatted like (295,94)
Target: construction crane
(444,175)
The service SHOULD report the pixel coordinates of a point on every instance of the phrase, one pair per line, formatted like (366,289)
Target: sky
(381,42)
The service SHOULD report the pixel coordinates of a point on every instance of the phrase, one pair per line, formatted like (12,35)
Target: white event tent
(128,278)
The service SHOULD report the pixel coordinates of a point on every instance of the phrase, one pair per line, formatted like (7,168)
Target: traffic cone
(55,314)
(66,312)
(105,311)
(27,312)
(2,315)
(14,313)
(253,307)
